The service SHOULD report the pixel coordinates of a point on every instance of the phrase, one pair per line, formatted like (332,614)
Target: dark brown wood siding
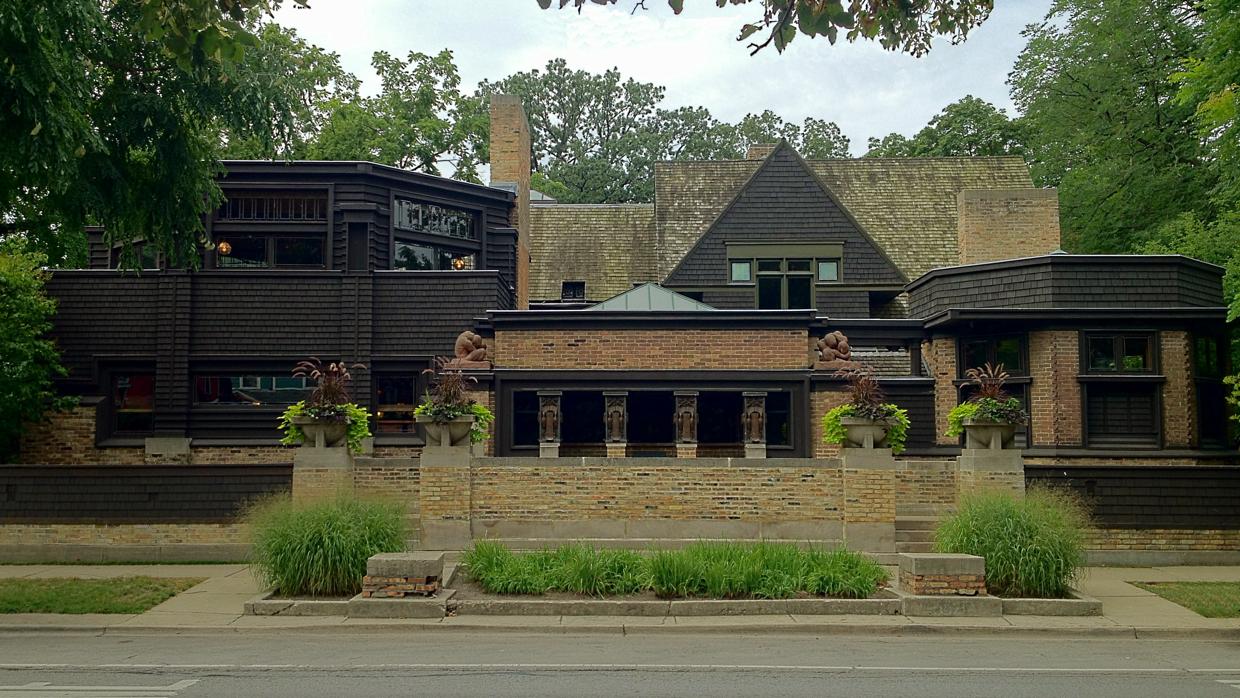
(1191,497)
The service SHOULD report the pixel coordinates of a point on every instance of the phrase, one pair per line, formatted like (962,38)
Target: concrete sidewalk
(216,605)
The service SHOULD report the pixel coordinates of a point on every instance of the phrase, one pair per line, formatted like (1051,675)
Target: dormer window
(573,291)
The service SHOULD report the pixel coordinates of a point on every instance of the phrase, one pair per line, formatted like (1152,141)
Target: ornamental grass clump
(320,548)
(1034,547)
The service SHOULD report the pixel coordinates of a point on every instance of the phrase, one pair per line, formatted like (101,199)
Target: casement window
(412,256)
(1011,352)
(573,291)
(431,219)
(396,396)
(133,403)
(1120,390)
(280,207)
(1209,367)
(269,251)
(784,275)
(253,389)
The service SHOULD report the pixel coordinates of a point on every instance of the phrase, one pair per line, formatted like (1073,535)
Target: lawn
(1210,599)
(72,595)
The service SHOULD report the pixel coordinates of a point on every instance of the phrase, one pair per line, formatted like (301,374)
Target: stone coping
(1077,604)
(883,603)
(992,606)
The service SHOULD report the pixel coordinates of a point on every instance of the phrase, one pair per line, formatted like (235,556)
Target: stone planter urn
(989,435)
(322,433)
(860,432)
(450,433)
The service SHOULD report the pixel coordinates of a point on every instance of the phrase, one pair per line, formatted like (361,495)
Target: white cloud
(866,90)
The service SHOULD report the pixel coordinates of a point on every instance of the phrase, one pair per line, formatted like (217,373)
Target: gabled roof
(784,202)
(650,296)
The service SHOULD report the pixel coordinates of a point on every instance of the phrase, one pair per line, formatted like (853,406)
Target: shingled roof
(907,205)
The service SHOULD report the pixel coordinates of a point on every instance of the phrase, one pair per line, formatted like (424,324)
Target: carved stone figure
(470,351)
(549,418)
(686,419)
(614,417)
(835,352)
(754,419)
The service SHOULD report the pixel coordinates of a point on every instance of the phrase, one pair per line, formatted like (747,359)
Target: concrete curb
(774,628)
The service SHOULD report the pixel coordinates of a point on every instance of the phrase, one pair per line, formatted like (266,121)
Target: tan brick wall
(821,403)
(869,496)
(998,224)
(124,534)
(510,162)
(971,481)
(924,487)
(390,479)
(1179,395)
(1162,539)
(68,438)
(1054,393)
(652,349)
(939,355)
(444,493)
(676,493)
(258,455)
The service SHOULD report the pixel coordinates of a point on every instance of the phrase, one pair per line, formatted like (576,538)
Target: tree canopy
(967,127)
(907,26)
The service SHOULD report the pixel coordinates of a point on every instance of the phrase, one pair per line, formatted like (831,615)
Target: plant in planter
(447,412)
(989,418)
(327,417)
(866,421)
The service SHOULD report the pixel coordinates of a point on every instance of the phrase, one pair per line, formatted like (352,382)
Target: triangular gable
(784,202)
(650,296)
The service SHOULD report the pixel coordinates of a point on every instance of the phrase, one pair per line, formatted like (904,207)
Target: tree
(822,140)
(28,360)
(1210,85)
(307,82)
(419,121)
(898,26)
(967,127)
(1095,85)
(113,116)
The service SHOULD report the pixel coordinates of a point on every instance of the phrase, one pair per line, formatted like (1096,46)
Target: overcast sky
(866,90)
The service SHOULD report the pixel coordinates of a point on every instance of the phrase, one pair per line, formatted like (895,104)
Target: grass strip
(74,595)
(1209,599)
(715,570)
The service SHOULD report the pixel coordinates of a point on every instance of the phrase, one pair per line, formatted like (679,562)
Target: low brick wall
(925,487)
(618,348)
(153,542)
(654,498)
(1163,539)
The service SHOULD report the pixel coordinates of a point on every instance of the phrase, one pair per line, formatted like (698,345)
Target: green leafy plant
(328,401)
(707,569)
(989,403)
(896,419)
(448,399)
(1034,546)
(320,548)
(1234,398)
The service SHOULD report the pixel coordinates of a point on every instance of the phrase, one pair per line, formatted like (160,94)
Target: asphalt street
(469,664)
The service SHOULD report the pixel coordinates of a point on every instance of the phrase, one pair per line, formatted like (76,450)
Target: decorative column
(549,423)
(616,423)
(686,423)
(753,424)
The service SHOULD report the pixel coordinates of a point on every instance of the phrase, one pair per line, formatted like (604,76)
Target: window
(1008,351)
(573,291)
(742,272)
(1209,366)
(828,270)
(273,207)
(133,402)
(249,389)
(785,283)
(416,257)
(778,419)
(395,399)
(140,252)
(266,251)
(434,220)
(1119,353)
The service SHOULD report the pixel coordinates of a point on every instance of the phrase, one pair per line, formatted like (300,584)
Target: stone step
(914,536)
(914,547)
(916,523)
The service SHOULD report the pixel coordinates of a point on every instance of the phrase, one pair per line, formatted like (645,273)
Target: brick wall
(1164,539)
(510,162)
(925,488)
(675,493)
(998,224)
(68,438)
(390,477)
(1179,403)
(939,355)
(652,349)
(822,402)
(1054,393)
(869,495)
(123,534)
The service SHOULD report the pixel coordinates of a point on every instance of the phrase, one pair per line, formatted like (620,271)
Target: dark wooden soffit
(670,321)
(1064,260)
(1078,316)
(244,169)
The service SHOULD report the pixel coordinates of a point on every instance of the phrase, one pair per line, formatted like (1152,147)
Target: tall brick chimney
(759,151)
(510,164)
(994,224)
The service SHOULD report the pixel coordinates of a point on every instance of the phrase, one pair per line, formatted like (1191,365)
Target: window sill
(122,442)
(1121,378)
